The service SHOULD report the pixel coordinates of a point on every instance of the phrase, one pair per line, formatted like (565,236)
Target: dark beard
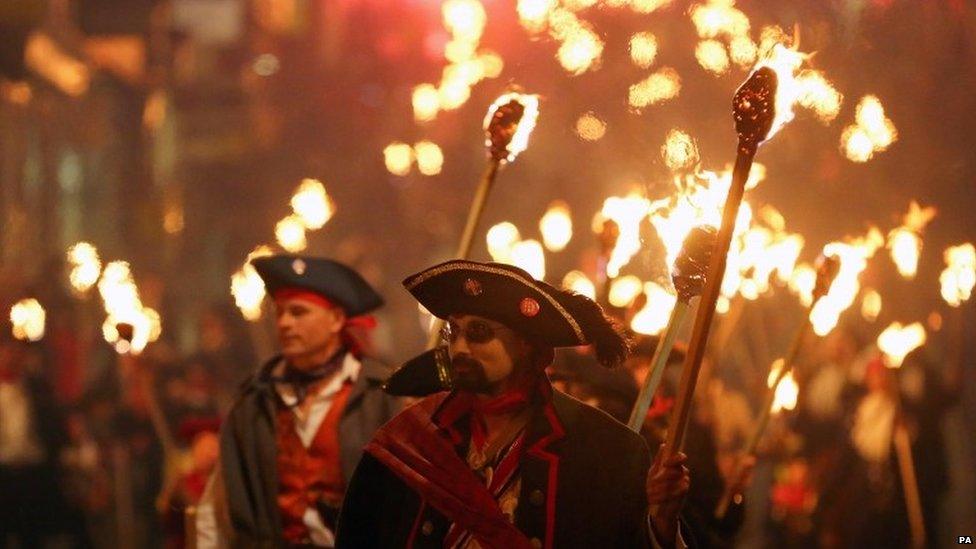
(469,375)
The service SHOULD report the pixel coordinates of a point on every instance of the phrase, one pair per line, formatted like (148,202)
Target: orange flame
(576,281)
(86,266)
(905,242)
(653,318)
(27,318)
(520,140)
(556,226)
(959,276)
(896,341)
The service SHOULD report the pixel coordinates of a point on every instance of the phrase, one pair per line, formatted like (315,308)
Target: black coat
(583,477)
(248,449)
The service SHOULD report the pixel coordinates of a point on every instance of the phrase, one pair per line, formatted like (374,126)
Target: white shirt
(18,441)
(307,425)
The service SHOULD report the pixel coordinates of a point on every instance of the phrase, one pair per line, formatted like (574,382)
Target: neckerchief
(465,403)
(300,380)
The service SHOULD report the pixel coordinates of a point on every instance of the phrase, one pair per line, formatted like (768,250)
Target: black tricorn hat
(532,308)
(427,373)
(331,279)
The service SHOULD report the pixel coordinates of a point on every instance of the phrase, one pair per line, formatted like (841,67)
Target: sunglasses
(475,332)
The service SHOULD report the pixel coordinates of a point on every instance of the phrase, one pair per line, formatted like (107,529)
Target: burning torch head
(126,331)
(827,268)
(691,266)
(502,127)
(508,125)
(754,107)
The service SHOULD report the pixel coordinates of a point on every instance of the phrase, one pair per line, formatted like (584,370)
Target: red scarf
(464,403)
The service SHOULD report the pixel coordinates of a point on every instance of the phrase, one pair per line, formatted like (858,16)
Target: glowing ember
(786,392)
(719,18)
(453,94)
(580,51)
(871,305)
(853,257)
(533,14)
(519,140)
(556,226)
(312,204)
(802,283)
(818,95)
(905,242)
(398,158)
(896,341)
(856,144)
(579,283)
(662,85)
(679,151)
(426,103)
(86,267)
(290,234)
(529,256)
(27,318)
(624,290)
(653,318)
(743,51)
(464,18)
(643,49)
(712,56)
(627,212)
(959,276)
(590,128)
(871,132)
(247,287)
(430,159)
(501,238)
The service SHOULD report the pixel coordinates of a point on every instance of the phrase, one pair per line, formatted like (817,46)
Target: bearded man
(504,460)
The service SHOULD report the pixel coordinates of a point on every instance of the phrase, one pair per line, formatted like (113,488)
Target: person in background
(295,433)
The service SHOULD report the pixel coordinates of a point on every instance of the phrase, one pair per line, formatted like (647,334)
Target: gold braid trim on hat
(423,277)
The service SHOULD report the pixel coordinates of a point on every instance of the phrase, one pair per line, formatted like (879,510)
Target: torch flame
(86,267)
(312,204)
(662,85)
(123,306)
(787,390)
(577,282)
(959,276)
(247,287)
(871,132)
(853,260)
(679,151)
(529,256)
(627,212)
(513,142)
(896,341)
(653,318)
(556,226)
(290,233)
(27,317)
(398,158)
(430,158)
(501,238)
(871,305)
(643,49)
(624,290)
(905,242)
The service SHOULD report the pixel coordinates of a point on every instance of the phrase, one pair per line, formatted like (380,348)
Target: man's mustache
(466,362)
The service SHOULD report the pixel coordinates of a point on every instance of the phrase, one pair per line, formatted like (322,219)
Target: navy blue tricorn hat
(336,282)
(532,308)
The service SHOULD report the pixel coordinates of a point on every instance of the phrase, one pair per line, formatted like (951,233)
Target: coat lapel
(536,512)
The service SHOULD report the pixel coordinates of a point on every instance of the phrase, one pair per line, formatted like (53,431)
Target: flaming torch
(895,343)
(508,125)
(827,269)
(754,110)
(27,318)
(688,277)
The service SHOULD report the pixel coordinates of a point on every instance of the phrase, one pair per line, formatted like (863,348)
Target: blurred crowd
(113,458)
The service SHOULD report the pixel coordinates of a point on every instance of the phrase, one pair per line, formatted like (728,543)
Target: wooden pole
(467,237)
(706,305)
(658,365)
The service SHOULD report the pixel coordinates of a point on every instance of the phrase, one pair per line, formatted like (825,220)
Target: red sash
(415,448)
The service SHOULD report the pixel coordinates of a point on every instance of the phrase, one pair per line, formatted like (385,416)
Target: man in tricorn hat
(503,460)
(295,434)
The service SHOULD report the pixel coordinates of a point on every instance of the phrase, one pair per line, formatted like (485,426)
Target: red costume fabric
(308,475)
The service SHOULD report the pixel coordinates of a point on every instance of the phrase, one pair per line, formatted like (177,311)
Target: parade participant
(504,460)
(295,434)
